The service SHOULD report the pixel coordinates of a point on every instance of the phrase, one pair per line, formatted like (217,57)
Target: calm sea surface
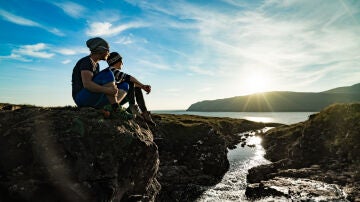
(276,117)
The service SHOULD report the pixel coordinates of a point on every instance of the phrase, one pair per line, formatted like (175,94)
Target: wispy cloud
(108,29)
(72,9)
(13,56)
(153,65)
(200,70)
(17,19)
(26,22)
(36,50)
(26,52)
(125,40)
(264,36)
(66,61)
(72,50)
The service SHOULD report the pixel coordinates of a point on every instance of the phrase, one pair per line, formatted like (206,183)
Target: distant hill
(281,101)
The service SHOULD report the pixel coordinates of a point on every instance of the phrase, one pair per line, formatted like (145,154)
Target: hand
(147,88)
(111,90)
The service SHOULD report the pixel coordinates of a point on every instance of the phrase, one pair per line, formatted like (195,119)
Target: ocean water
(266,117)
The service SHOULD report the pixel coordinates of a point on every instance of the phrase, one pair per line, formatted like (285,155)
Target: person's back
(84,63)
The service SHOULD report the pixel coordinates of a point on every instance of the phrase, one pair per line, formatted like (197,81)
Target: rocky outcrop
(67,154)
(324,148)
(193,152)
(71,154)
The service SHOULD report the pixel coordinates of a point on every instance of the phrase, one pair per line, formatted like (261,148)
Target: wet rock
(296,189)
(323,148)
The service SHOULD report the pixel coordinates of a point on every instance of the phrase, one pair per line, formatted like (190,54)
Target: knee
(104,77)
(123,86)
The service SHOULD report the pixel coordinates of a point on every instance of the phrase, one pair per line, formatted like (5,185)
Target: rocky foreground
(324,148)
(71,154)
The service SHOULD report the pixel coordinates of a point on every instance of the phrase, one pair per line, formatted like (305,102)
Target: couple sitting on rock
(110,88)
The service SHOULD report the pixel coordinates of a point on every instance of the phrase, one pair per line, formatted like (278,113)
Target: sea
(265,117)
(233,184)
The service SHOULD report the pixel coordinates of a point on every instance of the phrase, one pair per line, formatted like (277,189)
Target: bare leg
(121,95)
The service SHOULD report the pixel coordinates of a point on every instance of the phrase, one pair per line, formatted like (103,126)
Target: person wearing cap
(135,88)
(94,88)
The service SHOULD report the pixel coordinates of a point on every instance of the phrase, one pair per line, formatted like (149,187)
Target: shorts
(86,98)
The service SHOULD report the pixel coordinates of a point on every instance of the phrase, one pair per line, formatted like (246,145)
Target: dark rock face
(67,154)
(324,148)
(189,161)
(71,154)
(193,152)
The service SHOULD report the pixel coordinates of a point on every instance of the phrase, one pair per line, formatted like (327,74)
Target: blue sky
(187,50)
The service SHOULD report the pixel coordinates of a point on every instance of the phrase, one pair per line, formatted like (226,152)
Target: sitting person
(135,88)
(94,88)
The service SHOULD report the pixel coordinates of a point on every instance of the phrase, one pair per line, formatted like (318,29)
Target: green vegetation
(333,133)
(189,126)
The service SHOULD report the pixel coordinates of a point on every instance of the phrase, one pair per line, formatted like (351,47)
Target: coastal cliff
(72,154)
(325,148)
(281,101)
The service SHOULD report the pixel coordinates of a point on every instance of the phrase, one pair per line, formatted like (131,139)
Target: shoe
(118,113)
(122,114)
(147,117)
(134,110)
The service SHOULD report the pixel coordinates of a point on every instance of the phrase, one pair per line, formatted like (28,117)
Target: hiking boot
(122,114)
(118,113)
(147,117)
(134,109)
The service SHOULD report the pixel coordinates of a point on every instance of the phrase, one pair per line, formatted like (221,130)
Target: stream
(233,185)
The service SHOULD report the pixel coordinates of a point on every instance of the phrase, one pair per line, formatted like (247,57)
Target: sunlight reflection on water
(260,119)
(232,186)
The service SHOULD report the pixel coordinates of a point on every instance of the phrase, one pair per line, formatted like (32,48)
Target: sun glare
(256,83)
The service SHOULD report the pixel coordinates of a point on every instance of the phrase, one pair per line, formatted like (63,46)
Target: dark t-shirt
(84,63)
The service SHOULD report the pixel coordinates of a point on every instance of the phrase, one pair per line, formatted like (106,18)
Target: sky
(187,50)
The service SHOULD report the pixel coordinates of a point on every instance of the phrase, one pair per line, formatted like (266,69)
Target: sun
(256,82)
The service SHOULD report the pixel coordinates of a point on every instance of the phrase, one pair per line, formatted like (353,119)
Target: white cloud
(107,28)
(72,9)
(13,56)
(72,51)
(35,50)
(125,40)
(26,22)
(296,42)
(17,19)
(66,61)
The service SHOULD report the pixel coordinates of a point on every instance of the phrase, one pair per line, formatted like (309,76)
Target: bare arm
(146,88)
(86,77)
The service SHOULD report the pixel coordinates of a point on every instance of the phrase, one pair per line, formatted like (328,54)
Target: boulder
(71,154)
(323,148)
